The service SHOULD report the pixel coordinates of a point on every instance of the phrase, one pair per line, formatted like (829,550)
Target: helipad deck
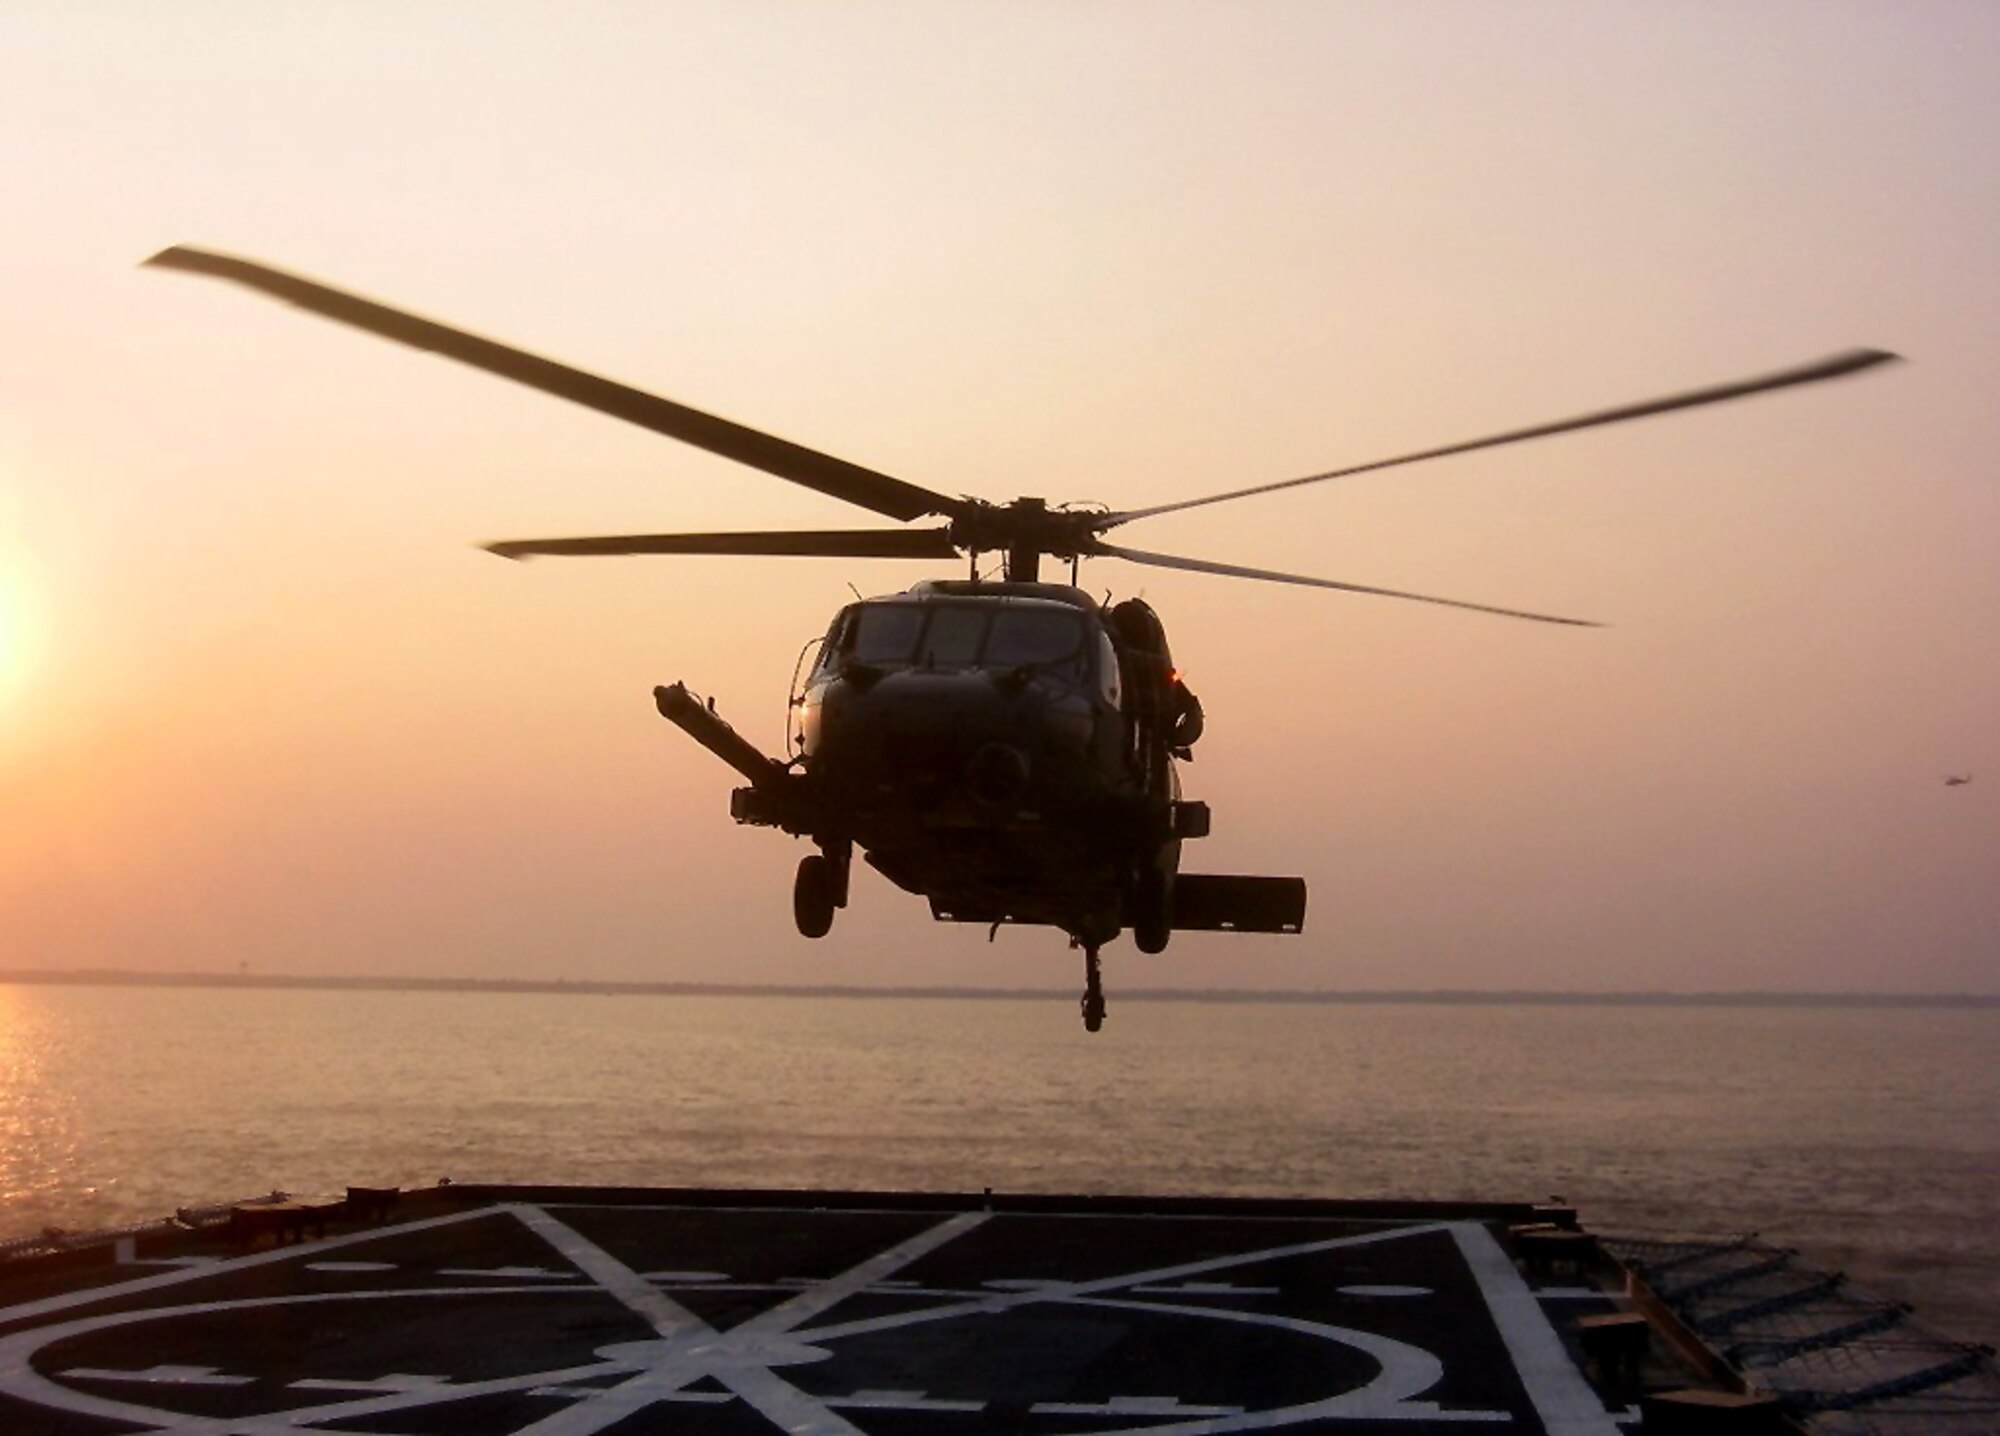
(566,1311)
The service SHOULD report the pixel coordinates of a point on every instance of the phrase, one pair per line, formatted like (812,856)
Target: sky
(266,707)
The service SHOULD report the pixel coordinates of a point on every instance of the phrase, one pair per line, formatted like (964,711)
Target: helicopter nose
(997,776)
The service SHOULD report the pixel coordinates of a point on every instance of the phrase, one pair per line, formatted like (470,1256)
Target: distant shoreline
(108,977)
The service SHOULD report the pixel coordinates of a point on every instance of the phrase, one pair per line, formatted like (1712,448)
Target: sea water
(1867,1137)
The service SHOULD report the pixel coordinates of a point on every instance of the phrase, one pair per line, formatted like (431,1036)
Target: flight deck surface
(565,1312)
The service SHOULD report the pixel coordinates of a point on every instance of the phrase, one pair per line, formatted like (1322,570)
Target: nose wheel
(1093,989)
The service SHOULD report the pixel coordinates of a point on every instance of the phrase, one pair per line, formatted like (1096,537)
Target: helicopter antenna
(855,591)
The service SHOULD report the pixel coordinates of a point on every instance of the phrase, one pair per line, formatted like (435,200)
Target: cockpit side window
(1107,670)
(1037,638)
(885,634)
(833,647)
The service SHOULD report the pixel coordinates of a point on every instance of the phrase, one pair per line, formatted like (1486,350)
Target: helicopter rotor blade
(865,487)
(1832,368)
(790,543)
(1199,565)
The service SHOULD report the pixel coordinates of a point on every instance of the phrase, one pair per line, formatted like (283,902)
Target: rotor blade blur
(831,543)
(1199,565)
(837,477)
(1840,364)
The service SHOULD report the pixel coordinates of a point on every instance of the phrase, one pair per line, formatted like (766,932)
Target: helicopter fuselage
(986,746)
(1006,751)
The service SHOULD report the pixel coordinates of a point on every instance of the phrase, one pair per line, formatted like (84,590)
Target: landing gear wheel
(1153,910)
(815,894)
(1093,990)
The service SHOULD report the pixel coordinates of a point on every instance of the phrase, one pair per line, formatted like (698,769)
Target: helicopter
(1006,749)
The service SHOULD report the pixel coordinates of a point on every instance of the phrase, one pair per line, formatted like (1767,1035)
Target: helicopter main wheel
(1093,990)
(815,894)
(1153,910)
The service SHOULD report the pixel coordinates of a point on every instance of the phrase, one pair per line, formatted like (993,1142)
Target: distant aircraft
(1953,780)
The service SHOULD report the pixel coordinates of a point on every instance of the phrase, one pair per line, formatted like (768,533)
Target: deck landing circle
(573,1317)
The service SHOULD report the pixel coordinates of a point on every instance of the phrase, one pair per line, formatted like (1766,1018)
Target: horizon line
(1768,997)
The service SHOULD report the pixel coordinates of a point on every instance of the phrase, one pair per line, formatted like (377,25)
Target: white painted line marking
(1030,1283)
(161,1376)
(873,1400)
(743,1363)
(1563,1399)
(1017,1295)
(1130,1406)
(1407,1373)
(353,1266)
(742,1358)
(18,1377)
(509,1273)
(688,1278)
(582,1393)
(792,1314)
(397,1381)
(665,1315)
(1205,1288)
(28,1310)
(1385,1291)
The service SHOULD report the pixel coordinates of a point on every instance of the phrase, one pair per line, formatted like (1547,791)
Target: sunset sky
(264,705)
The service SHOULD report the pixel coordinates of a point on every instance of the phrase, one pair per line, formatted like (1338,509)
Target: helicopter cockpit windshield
(965,635)
(1035,637)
